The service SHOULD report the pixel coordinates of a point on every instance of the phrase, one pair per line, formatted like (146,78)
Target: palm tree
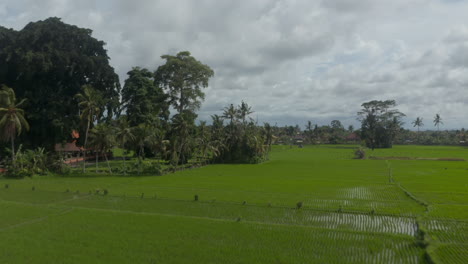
(123,135)
(143,134)
(181,127)
(102,140)
(90,102)
(12,119)
(230,112)
(309,131)
(268,138)
(418,123)
(203,141)
(438,121)
(243,111)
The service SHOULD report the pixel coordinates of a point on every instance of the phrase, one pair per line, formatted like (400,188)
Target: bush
(360,153)
(299,205)
(143,167)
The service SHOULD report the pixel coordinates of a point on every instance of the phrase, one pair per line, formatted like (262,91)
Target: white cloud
(293,61)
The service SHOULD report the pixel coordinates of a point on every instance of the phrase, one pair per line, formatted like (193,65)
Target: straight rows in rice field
(96,236)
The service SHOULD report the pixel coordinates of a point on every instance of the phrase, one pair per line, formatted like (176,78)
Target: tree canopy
(184,77)
(47,62)
(379,123)
(142,99)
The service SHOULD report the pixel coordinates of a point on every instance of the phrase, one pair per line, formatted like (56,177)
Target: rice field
(404,205)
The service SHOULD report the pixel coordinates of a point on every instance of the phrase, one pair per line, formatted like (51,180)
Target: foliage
(183,77)
(90,102)
(240,141)
(438,121)
(360,153)
(142,99)
(12,121)
(102,140)
(29,163)
(380,123)
(47,62)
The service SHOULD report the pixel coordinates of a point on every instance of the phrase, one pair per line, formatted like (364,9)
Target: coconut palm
(203,141)
(181,141)
(12,121)
(143,135)
(418,122)
(102,140)
(438,121)
(123,135)
(244,110)
(230,112)
(90,102)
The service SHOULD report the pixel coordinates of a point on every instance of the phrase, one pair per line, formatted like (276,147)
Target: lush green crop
(352,211)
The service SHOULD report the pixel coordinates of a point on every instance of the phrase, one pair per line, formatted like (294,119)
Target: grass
(353,211)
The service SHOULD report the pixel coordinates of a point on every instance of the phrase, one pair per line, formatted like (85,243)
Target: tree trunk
(97,161)
(108,165)
(124,158)
(85,142)
(13,158)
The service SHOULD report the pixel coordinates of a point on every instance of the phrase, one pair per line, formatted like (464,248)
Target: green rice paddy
(408,204)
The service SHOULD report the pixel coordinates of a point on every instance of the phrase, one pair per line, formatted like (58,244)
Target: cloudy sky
(291,60)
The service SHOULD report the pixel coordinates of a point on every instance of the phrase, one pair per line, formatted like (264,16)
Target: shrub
(143,167)
(195,198)
(299,205)
(360,153)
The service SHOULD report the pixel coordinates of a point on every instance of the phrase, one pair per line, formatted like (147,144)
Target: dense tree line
(64,82)
(63,76)
(47,63)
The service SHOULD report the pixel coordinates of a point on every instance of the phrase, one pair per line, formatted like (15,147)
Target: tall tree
(379,123)
(90,102)
(102,140)
(142,99)
(418,122)
(244,110)
(336,132)
(48,62)
(231,113)
(182,129)
(123,135)
(309,132)
(183,77)
(438,121)
(268,131)
(12,121)
(217,136)
(203,141)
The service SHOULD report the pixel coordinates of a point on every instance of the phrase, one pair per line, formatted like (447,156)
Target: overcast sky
(292,61)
